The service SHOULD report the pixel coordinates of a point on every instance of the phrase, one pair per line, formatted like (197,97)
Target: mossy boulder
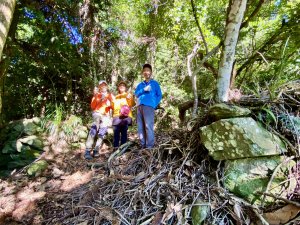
(37,168)
(199,212)
(224,111)
(248,178)
(239,138)
(23,144)
(20,128)
(32,141)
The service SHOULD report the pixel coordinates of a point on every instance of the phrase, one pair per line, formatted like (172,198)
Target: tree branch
(212,52)
(209,66)
(253,14)
(215,49)
(261,49)
(198,25)
(206,57)
(189,104)
(193,77)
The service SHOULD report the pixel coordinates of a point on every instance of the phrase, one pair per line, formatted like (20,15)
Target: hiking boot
(96,154)
(87,155)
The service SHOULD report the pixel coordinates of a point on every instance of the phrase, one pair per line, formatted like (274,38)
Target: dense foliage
(58,50)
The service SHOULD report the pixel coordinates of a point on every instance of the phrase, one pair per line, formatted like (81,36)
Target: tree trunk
(152,52)
(233,23)
(193,78)
(7,8)
(3,68)
(114,76)
(89,32)
(176,59)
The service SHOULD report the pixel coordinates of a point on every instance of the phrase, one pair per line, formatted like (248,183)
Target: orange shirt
(102,105)
(119,101)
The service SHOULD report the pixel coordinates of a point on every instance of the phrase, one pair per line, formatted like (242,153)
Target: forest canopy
(56,51)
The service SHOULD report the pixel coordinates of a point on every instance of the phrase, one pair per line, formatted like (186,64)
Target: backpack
(125,110)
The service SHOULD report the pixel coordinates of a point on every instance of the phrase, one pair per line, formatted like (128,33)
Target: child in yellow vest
(122,115)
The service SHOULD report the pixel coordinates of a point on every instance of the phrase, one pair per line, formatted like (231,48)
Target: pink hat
(124,111)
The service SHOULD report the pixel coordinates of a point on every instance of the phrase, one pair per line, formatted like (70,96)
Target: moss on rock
(37,168)
(248,178)
(241,138)
(224,111)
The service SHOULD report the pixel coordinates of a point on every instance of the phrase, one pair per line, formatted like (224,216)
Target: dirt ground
(136,186)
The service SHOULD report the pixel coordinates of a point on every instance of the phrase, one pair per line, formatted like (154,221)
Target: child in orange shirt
(101,105)
(122,115)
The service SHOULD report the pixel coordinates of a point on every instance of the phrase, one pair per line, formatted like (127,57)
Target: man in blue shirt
(148,95)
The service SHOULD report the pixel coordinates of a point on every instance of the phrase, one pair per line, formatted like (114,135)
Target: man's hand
(147,88)
(103,97)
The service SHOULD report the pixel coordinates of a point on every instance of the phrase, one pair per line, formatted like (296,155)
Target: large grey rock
(20,128)
(239,138)
(30,128)
(224,111)
(247,177)
(19,144)
(23,144)
(23,126)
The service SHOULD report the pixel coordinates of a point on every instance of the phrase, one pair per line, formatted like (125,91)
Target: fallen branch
(282,199)
(118,152)
(254,209)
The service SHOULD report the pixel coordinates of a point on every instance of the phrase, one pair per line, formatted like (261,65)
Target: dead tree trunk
(183,107)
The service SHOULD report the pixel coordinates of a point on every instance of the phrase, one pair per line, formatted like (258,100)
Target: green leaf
(270,116)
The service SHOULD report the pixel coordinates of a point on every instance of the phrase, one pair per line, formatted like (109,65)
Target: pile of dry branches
(138,187)
(279,111)
(161,186)
(158,186)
